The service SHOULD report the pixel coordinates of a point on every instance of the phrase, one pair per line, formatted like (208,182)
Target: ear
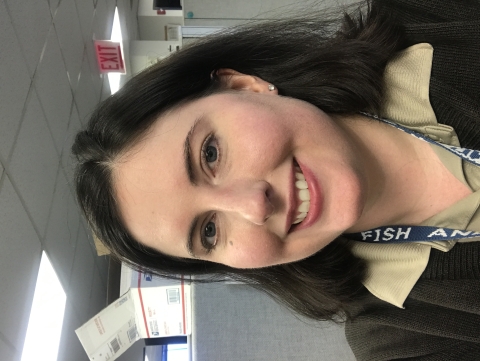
(232,79)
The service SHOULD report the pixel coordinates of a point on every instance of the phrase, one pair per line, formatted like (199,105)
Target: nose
(249,200)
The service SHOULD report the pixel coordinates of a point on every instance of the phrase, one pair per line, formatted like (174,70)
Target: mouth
(305,199)
(302,195)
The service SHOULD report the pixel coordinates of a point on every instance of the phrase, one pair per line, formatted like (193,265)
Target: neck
(404,176)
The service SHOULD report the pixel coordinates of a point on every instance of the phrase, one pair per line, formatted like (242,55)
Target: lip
(292,201)
(315,200)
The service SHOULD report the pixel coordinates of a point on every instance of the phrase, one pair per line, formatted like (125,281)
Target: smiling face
(223,179)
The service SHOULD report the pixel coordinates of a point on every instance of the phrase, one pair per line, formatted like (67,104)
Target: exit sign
(109,56)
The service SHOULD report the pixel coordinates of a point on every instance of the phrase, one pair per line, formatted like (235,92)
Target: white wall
(152,26)
(234,12)
(220,13)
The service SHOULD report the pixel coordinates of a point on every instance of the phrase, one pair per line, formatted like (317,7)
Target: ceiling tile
(102,21)
(20,253)
(7,352)
(68,160)
(61,235)
(82,276)
(53,88)
(34,164)
(32,33)
(86,97)
(15,82)
(67,26)
(85,10)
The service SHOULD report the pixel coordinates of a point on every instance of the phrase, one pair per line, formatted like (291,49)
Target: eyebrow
(191,231)
(187,153)
(187,157)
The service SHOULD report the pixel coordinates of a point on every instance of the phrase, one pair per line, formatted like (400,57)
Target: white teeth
(299,176)
(300,218)
(304,207)
(303,194)
(301,184)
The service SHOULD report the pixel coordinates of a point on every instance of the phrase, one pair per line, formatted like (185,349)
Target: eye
(210,152)
(209,235)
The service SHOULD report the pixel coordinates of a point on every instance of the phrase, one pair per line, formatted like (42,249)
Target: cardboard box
(152,307)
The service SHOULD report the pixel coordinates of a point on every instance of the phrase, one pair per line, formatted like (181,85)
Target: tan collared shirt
(393,270)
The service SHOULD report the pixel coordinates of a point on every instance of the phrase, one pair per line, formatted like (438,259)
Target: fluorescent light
(46,317)
(116,30)
(114,78)
(114,81)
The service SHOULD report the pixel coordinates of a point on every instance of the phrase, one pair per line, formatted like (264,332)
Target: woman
(253,154)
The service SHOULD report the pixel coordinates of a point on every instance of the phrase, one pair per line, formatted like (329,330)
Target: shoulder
(407,80)
(431,10)
(453,29)
(441,316)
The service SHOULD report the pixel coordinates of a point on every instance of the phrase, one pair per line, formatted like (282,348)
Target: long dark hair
(336,64)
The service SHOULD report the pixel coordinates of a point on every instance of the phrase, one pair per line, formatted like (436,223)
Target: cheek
(266,143)
(254,250)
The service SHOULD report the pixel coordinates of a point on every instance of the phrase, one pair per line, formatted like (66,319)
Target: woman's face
(215,179)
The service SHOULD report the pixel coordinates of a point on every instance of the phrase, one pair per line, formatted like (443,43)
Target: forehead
(150,179)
